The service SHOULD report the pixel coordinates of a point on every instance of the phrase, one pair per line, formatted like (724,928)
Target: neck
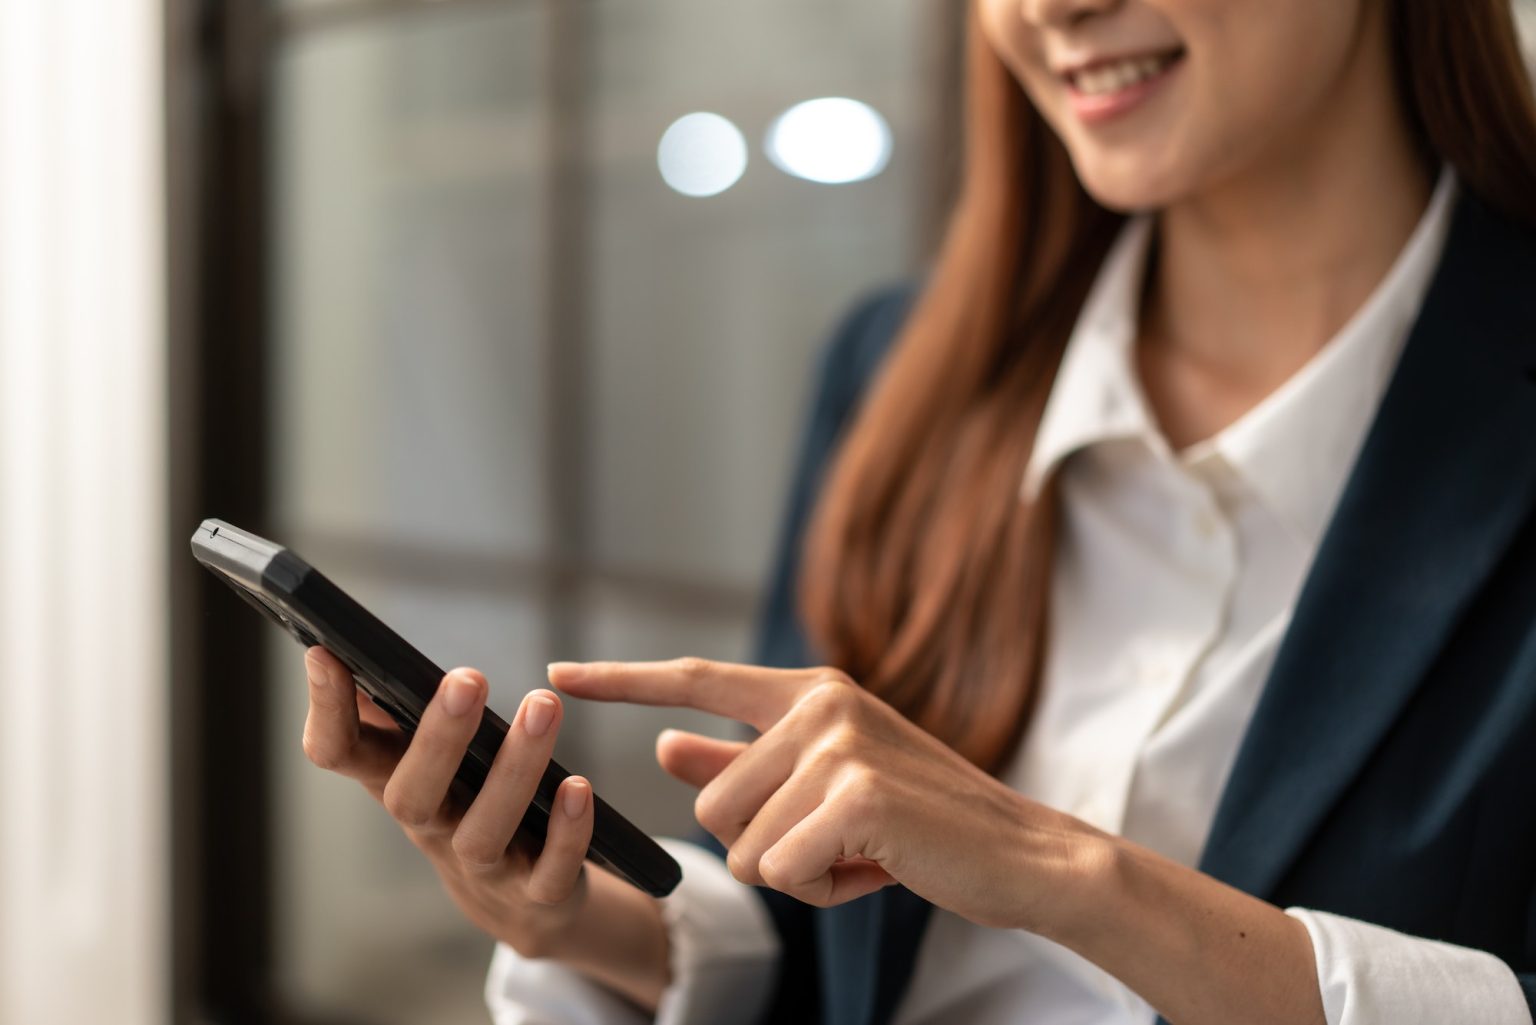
(1254,275)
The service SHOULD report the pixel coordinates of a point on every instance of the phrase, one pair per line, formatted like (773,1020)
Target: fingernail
(575,799)
(459,694)
(537,715)
(567,671)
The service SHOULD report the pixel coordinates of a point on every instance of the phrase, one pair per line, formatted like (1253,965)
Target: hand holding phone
(527,892)
(504,825)
(405,684)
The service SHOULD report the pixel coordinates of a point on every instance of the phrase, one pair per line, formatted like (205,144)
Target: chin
(1130,186)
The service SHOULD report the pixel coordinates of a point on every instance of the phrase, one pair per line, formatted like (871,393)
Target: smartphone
(401,680)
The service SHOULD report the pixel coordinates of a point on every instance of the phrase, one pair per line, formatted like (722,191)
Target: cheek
(996,24)
(1017,45)
(1268,76)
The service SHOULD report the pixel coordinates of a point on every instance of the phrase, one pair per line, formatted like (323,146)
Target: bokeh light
(702,154)
(832,140)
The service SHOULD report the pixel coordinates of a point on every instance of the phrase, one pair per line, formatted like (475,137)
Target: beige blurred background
(418,288)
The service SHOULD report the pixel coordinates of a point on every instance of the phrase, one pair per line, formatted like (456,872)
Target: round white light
(702,155)
(830,140)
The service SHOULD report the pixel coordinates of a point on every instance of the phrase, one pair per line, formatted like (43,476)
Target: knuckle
(473,852)
(706,808)
(773,873)
(832,674)
(742,867)
(691,666)
(322,755)
(404,809)
(832,697)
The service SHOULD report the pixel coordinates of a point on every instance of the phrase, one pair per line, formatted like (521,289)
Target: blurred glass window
(528,400)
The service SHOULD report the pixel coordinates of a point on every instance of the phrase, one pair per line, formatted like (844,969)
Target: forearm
(1196,949)
(618,940)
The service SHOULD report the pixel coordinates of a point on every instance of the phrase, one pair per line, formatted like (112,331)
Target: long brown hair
(926,571)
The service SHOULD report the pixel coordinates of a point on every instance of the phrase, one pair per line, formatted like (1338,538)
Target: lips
(1111,75)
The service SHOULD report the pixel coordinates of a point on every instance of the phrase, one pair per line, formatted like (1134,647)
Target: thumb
(693,758)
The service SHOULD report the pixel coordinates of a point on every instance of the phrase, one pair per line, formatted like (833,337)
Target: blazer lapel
(850,936)
(905,916)
(1446,476)
(870,947)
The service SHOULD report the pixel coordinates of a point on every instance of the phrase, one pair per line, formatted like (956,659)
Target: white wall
(83,919)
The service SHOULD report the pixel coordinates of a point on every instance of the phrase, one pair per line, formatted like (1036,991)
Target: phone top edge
(237,553)
(214,529)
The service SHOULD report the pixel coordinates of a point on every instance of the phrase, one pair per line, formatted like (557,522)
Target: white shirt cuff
(524,991)
(1370,975)
(725,953)
(725,950)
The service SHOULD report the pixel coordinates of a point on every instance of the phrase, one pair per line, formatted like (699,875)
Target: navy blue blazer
(1389,771)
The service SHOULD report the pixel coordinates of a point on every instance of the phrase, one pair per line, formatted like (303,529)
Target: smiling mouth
(1113,76)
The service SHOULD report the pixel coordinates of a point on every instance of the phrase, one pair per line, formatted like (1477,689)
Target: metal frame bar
(217,53)
(185,871)
(567,252)
(289,19)
(502,574)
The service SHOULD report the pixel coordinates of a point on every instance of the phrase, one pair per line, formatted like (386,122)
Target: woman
(1178,569)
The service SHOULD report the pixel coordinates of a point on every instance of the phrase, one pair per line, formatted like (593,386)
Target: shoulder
(848,363)
(858,346)
(1488,262)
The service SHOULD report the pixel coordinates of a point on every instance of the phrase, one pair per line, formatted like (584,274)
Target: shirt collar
(1295,448)
(1096,396)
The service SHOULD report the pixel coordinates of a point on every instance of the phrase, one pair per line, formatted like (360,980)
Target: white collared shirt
(1174,581)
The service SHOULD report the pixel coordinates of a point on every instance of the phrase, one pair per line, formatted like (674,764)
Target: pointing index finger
(749,694)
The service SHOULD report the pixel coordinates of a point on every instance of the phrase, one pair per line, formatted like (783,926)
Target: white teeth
(1111,78)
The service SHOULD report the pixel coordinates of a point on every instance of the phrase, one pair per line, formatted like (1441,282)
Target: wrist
(1193,947)
(1072,872)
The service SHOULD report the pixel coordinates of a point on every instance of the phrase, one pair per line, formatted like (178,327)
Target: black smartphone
(401,680)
